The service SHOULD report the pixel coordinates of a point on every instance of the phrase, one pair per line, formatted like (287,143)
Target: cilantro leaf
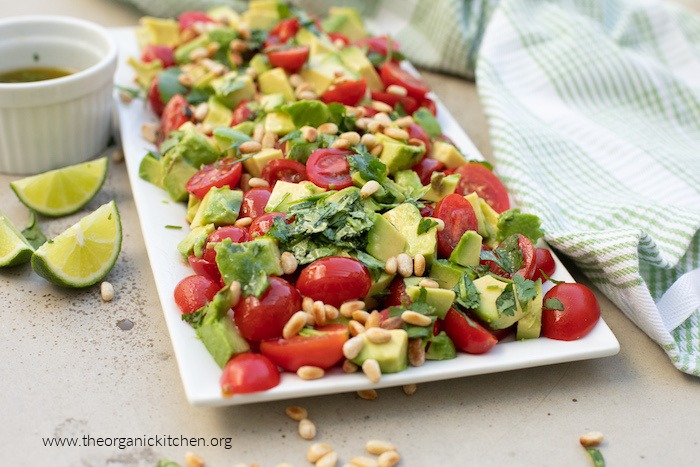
(525,289)
(427,121)
(248,263)
(466,292)
(505,303)
(168,84)
(368,166)
(513,222)
(554,304)
(195,318)
(507,255)
(425,224)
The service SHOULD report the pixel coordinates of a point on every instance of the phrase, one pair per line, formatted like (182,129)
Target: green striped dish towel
(594,110)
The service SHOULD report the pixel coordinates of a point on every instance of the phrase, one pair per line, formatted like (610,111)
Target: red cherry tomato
(287,170)
(527,270)
(158,52)
(175,113)
(467,334)
(397,293)
(248,372)
(426,167)
(427,211)
(392,73)
(154,98)
(417,131)
(263,223)
(205,268)
(233,232)
(579,315)
(430,105)
(336,36)
(544,262)
(242,113)
(254,202)
(224,172)
(329,168)
(285,30)
(478,178)
(292,59)
(408,103)
(264,318)
(189,18)
(334,280)
(322,350)
(458,215)
(347,92)
(193,292)
(378,44)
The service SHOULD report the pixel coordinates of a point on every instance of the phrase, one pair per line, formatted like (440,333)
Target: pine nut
(193,460)
(198,54)
(377,447)
(392,322)
(238,45)
(341,143)
(417,319)
(373,320)
(380,106)
(369,188)
(288,262)
(212,48)
(296,413)
(347,308)
(307,96)
(309,133)
(357,112)
(295,324)
(369,140)
(375,127)
(592,438)
(349,367)
(328,128)
(125,97)
(404,265)
(378,335)
(235,291)
(243,222)
(304,87)
(391,265)
(429,284)
(352,136)
(107,291)
(355,328)
(317,451)
(308,372)
(257,182)
(363,461)
(360,316)
(383,119)
(353,346)
(368,394)
(377,150)
(310,320)
(150,131)
(296,80)
(388,459)
(328,460)
(117,155)
(332,312)
(250,147)
(319,312)
(307,304)
(371,369)
(268,140)
(404,122)
(258,132)
(307,429)
(416,142)
(187,35)
(409,389)
(440,224)
(416,352)
(396,133)
(362,123)
(397,90)
(251,72)
(207,129)
(419,265)
(185,79)
(244,31)
(236,59)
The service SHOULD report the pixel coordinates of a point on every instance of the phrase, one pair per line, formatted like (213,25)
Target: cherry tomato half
(478,178)
(459,216)
(329,168)
(154,98)
(378,44)
(264,222)
(323,350)
(544,263)
(282,32)
(397,293)
(467,334)
(254,202)
(193,292)
(233,232)
(392,73)
(347,92)
(264,318)
(175,113)
(248,372)
(163,53)
(417,131)
(188,18)
(287,170)
(408,103)
(426,167)
(224,172)
(242,113)
(527,270)
(292,59)
(205,268)
(334,280)
(578,317)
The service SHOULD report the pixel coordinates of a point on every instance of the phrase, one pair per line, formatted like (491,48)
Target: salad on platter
(332,225)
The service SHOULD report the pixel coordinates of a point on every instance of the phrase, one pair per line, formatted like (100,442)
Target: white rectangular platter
(200,375)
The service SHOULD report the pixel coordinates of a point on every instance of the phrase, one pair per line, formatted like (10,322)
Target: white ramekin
(53,123)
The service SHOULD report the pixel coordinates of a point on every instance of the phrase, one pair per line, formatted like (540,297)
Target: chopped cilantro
(174,227)
(248,263)
(133,92)
(169,85)
(525,289)
(513,222)
(427,121)
(553,304)
(195,318)
(289,136)
(368,166)
(425,224)
(507,255)
(505,303)
(466,292)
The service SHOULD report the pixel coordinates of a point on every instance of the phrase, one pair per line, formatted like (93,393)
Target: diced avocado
(285,193)
(384,240)
(346,21)
(275,81)
(446,273)
(262,14)
(222,340)
(379,286)
(490,221)
(218,115)
(409,180)
(150,170)
(473,199)
(446,153)
(259,63)
(182,53)
(356,60)
(317,44)
(257,162)
(220,206)
(323,69)
(232,88)
(271,102)
(145,71)
(490,289)
(194,148)
(193,204)
(406,217)
(307,112)
(176,172)
(441,186)
(412,281)
(392,356)
(279,122)
(225,14)
(530,325)
(399,156)
(441,348)
(246,127)
(441,299)
(468,249)
(158,31)
(195,241)
(222,36)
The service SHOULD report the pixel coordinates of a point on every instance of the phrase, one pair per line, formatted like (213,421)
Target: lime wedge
(62,191)
(14,248)
(84,253)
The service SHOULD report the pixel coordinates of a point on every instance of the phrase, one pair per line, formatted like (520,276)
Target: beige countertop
(69,370)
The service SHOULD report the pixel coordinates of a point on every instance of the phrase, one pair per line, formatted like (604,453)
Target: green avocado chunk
(406,217)
(440,299)
(446,273)
(392,356)
(175,174)
(150,170)
(384,240)
(219,206)
(195,241)
(398,156)
(530,325)
(490,290)
(468,249)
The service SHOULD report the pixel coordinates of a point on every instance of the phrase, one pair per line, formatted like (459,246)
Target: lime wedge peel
(62,191)
(84,253)
(14,248)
